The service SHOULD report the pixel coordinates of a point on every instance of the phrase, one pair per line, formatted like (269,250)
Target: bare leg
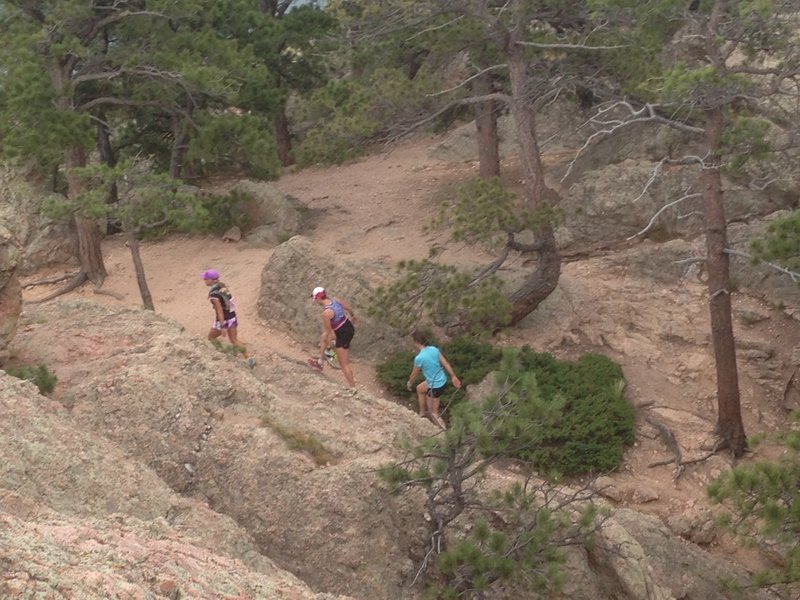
(433,407)
(323,344)
(233,336)
(214,334)
(422,397)
(344,362)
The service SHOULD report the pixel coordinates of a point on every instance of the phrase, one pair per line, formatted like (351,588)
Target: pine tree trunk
(90,254)
(729,423)
(180,145)
(486,124)
(141,280)
(539,284)
(283,138)
(108,157)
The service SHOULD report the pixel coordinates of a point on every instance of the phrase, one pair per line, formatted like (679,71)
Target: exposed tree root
(669,439)
(77,281)
(98,290)
(51,280)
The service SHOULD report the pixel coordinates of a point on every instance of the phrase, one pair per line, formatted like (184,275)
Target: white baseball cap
(318,292)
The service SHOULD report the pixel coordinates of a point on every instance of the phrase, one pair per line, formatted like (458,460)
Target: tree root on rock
(668,438)
(50,280)
(78,279)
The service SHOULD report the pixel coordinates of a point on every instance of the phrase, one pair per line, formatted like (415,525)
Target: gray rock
(637,554)
(270,216)
(10,308)
(326,518)
(295,268)
(36,239)
(234,234)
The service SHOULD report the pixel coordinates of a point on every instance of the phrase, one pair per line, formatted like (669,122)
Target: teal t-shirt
(432,369)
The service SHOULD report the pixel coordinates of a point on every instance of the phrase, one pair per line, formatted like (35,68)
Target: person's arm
(449,369)
(412,378)
(347,309)
(327,337)
(215,302)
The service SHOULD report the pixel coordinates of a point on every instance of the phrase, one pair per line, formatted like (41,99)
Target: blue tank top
(339,316)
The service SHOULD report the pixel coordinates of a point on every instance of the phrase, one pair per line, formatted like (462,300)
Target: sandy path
(375,208)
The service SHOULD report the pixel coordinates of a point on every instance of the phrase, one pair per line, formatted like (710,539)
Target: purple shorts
(227,324)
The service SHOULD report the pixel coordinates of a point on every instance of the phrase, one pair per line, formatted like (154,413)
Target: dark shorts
(344,335)
(436,392)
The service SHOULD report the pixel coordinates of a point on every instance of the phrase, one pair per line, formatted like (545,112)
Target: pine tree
(543,49)
(516,535)
(720,68)
(762,503)
(113,76)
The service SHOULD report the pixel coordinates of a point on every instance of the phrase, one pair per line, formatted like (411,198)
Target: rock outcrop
(157,446)
(10,307)
(294,467)
(269,216)
(295,268)
(80,515)
(39,240)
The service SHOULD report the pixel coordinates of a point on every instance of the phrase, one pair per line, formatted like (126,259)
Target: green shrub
(393,374)
(595,423)
(761,505)
(471,360)
(40,375)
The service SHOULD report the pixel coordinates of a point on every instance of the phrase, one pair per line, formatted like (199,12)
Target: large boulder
(39,240)
(638,558)
(615,202)
(270,216)
(80,512)
(294,465)
(295,268)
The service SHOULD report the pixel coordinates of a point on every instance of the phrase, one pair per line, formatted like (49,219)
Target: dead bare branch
(653,176)
(77,281)
(645,114)
(793,275)
(660,211)
(492,268)
(468,79)
(101,291)
(568,46)
(435,27)
(669,440)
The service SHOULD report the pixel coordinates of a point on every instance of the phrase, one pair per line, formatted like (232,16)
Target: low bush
(40,375)
(472,361)
(595,423)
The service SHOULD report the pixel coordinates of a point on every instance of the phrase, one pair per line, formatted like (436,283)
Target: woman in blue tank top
(434,368)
